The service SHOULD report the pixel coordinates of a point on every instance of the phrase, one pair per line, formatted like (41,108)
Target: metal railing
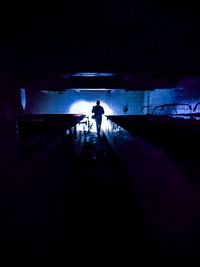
(195,107)
(147,106)
(171,105)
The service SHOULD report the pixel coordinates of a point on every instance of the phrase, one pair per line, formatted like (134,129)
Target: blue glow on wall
(23,97)
(55,103)
(92,74)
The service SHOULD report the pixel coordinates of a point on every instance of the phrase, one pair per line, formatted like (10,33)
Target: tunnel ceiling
(138,81)
(153,38)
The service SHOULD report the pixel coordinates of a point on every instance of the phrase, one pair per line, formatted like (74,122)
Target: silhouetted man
(98,112)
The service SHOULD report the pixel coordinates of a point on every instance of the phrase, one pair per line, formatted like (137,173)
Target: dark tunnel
(129,192)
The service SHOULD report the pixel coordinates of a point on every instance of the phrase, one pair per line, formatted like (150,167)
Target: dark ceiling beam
(126,82)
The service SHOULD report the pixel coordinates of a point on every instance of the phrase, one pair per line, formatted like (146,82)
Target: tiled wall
(75,101)
(113,101)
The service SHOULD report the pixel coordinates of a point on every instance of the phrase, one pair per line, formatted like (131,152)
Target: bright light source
(92,74)
(85,107)
(23,97)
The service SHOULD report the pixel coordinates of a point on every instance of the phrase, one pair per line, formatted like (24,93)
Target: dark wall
(9,109)
(118,35)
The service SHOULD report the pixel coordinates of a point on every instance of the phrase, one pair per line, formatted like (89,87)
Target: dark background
(139,38)
(159,37)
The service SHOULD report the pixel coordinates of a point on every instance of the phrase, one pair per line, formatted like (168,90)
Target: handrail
(171,104)
(147,106)
(196,106)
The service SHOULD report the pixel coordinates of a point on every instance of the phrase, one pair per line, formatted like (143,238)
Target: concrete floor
(73,207)
(79,209)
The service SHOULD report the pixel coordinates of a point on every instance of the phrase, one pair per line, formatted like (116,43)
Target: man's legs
(98,129)
(98,124)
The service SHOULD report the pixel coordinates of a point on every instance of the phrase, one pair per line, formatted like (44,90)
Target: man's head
(98,102)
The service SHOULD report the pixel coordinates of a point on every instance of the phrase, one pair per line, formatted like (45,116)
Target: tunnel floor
(77,208)
(107,220)
(87,215)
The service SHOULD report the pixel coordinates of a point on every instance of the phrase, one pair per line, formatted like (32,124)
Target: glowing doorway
(85,107)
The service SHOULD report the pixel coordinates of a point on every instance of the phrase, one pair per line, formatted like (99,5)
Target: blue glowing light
(85,107)
(92,74)
(23,97)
